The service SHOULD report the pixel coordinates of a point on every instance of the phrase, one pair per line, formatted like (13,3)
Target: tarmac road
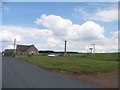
(19,74)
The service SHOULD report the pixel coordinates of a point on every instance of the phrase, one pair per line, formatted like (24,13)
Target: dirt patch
(105,80)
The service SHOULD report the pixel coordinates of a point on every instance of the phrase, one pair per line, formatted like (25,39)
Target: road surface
(19,74)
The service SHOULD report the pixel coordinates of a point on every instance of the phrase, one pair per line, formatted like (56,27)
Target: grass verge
(81,63)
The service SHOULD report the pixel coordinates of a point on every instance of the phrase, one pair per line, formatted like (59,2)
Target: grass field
(77,63)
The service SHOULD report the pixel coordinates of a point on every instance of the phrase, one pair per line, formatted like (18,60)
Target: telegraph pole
(14,47)
(65,48)
(14,43)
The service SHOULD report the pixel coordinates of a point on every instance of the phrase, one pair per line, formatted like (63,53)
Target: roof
(23,47)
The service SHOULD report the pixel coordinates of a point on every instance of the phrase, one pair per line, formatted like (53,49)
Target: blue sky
(24,14)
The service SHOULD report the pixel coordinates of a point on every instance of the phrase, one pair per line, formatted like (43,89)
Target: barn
(26,50)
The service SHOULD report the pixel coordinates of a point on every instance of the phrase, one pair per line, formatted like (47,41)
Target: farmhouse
(26,50)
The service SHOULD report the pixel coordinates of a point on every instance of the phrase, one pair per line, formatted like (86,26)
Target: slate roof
(23,48)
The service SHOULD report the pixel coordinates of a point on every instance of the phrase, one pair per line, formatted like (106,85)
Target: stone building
(26,50)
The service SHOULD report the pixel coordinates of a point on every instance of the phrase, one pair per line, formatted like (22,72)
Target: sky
(48,24)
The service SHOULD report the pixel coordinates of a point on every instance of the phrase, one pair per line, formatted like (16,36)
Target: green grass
(80,63)
(100,56)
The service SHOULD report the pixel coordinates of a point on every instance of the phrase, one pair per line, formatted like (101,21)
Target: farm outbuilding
(26,50)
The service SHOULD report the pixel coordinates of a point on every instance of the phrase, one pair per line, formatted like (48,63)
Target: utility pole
(14,43)
(65,48)
(14,47)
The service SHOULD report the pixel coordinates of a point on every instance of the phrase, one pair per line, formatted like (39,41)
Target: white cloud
(79,37)
(87,33)
(66,30)
(105,15)
(27,35)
